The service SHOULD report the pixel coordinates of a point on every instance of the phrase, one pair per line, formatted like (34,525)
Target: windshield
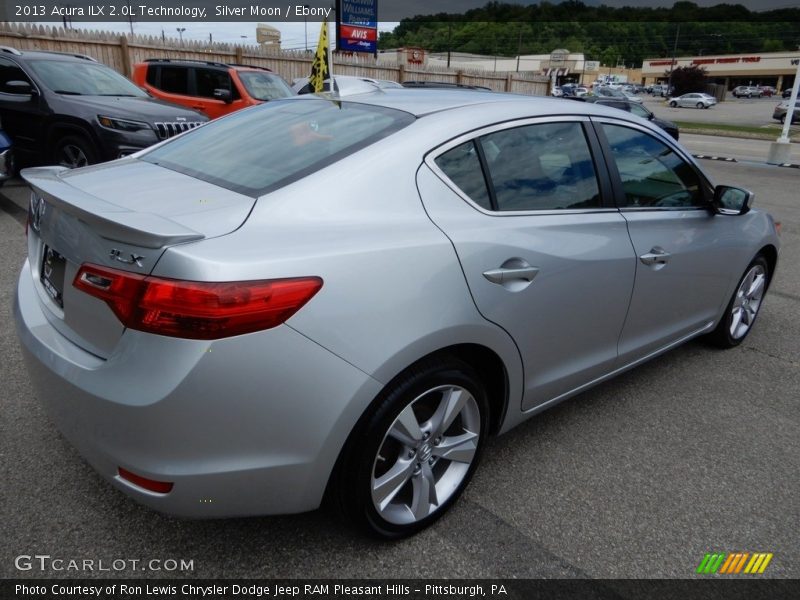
(264,86)
(84,79)
(263,148)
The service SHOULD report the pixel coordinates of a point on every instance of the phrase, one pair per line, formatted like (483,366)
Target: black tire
(74,151)
(722,336)
(673,104)
(352,484)
(699,105)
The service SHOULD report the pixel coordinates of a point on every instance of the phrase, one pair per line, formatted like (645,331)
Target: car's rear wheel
(673,104)
(742,310)
(699,105)
(415,453)
(74,151)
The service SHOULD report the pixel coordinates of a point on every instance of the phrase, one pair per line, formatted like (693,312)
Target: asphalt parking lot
(696,451)
(752,112)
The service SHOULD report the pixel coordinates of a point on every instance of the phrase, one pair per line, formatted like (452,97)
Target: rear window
(258,150)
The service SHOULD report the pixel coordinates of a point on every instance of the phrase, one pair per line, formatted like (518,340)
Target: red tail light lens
(160,487)
(194,309)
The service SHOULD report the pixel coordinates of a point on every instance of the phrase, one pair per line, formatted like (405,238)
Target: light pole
(180,31)
(780,149)
(305,24)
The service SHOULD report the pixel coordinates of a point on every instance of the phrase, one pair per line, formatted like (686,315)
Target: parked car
(630,97)
(781,109)
(6,158)
(637,109)
(335,308)
(557,92)
(658,90)
(747,91)
(213,88)
(609,92)
(767,90)
(787,93)
(693,100)
(71,110)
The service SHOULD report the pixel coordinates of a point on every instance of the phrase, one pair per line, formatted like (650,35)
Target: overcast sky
(297,36)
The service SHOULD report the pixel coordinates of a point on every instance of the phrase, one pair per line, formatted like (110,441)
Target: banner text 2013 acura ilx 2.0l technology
(345,297)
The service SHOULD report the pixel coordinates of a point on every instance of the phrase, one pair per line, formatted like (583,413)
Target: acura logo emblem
(38,206)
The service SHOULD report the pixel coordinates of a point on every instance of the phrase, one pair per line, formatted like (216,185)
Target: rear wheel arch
(484,361)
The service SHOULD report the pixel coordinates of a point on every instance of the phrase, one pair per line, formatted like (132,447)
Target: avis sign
(357,25)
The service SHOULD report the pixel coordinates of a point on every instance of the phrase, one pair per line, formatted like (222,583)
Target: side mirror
(224,95)
(18,87)
(730,200)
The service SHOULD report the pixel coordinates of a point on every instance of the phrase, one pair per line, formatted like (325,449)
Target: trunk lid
(122,215)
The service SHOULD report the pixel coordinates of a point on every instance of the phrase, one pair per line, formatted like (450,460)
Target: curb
(728,159)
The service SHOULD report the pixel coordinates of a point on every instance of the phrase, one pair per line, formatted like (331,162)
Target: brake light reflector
(160,487)
(195,309)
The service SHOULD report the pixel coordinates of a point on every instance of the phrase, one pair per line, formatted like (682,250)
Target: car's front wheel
(416,451)
(74,151)
(742,310)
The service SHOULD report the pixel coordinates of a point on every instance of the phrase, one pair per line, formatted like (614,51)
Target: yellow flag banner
(320,69)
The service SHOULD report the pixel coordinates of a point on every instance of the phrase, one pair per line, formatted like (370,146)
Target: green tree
(689,79)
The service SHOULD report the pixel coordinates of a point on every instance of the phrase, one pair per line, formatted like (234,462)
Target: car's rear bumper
(242,426)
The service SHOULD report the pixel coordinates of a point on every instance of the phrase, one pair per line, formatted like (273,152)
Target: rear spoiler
(110,221)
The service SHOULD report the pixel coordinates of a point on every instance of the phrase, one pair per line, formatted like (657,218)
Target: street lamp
(780,149)
(305,24)
(180,31)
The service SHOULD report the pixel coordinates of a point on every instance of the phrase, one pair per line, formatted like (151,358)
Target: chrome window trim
(432,155)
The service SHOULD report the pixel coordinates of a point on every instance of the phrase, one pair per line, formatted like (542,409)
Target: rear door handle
(504,275)
(656,256)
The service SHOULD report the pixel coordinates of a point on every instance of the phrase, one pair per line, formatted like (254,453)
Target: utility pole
(672,64)
(449,35)
(519,46)
(130,17)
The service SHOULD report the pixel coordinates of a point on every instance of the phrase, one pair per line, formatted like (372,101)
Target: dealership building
(762,68)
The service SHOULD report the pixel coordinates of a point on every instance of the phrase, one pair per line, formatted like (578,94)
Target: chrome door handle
(504,275)
(656,256)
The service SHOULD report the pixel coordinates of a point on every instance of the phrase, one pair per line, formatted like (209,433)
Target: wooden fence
(121,52)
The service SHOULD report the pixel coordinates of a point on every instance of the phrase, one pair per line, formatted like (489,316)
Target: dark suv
(71,110)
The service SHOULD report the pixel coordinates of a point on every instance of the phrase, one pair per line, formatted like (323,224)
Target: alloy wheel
(426,454)
(72,156)
(747,301)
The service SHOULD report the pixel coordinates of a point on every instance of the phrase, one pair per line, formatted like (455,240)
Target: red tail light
(194,309)
(161,487)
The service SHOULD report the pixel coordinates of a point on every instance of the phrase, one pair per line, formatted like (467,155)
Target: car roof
(425,102)
(65,56)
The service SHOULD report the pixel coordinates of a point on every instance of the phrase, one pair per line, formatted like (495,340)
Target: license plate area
(54,266)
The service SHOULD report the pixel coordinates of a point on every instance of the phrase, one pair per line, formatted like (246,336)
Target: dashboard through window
(653,176)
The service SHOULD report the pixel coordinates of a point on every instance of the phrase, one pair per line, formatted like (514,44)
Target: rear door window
(546,166)
(175,80)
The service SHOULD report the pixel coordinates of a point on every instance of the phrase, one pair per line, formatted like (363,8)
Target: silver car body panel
(254,423)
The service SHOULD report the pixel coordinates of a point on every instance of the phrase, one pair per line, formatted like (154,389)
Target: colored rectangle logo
(734,563)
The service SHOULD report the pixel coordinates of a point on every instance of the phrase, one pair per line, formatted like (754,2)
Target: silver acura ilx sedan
(345,297)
